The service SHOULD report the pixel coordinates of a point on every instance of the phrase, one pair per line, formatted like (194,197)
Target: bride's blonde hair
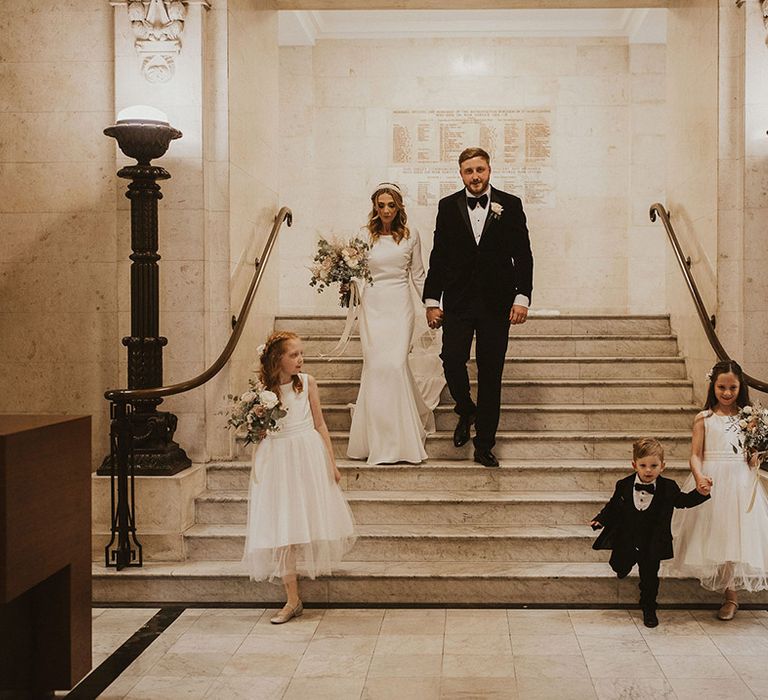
(399,228)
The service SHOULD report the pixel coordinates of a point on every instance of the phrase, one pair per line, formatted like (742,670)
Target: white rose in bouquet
(268,399)
(248,396)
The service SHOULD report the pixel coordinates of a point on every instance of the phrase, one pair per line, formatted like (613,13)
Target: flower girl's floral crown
(263,350)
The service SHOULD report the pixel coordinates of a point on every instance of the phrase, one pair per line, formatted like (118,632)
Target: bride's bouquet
(753,439)
(340,261)
(255,413)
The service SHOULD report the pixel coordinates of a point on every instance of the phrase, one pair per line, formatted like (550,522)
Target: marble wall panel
(58,316)
(692,58)
(254,171)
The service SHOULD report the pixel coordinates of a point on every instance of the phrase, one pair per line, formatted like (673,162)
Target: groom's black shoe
(486,458)
(461,434)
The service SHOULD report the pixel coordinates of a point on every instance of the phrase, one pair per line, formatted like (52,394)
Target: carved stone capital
(158,26)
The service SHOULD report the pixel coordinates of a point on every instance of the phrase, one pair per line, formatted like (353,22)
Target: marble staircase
(577,391)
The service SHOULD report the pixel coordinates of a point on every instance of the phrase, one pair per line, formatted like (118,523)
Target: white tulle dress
(391,418)
(722,542)
(298,518)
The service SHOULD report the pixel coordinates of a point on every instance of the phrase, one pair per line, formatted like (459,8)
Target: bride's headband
(387,186)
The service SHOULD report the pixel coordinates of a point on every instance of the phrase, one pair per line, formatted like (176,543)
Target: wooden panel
(45,582)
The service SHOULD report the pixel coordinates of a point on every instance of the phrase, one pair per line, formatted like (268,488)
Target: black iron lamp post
(144,134)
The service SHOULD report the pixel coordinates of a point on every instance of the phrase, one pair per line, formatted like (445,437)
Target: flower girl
(298,519)
(723,542)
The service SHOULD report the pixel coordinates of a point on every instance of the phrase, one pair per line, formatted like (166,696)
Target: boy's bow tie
(649,488)
(472,202)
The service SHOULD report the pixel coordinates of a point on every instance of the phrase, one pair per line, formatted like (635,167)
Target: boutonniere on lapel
(496,210)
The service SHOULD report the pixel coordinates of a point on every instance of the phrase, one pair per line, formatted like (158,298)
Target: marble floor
(440,653)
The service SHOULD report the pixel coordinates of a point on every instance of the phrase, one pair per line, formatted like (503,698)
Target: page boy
(637,521)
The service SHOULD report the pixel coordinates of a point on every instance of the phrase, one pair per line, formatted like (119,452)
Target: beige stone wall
(755,255)
(607,102)
(646,244)
(58,293)
(692,169)
(253,169)
(716,175)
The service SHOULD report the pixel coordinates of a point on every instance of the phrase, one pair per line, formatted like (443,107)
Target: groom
(482,268)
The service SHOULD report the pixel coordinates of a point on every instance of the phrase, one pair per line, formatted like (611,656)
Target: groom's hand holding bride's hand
(434,317)
(518,314)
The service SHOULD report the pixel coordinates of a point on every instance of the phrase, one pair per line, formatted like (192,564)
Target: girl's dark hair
(723,367)
(269,372)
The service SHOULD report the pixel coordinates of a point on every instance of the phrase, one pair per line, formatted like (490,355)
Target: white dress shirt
(477,217)
(642,499)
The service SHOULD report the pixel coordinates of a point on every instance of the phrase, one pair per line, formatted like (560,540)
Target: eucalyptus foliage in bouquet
(753,438)
(340,261)
(255,413)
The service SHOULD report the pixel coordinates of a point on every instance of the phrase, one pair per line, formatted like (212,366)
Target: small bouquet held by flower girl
(753,440)
(255,413)
(340,261)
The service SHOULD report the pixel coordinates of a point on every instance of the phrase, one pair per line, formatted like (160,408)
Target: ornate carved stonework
(158,27)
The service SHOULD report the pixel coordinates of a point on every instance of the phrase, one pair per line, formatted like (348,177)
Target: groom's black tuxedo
(478,283)
(488,274)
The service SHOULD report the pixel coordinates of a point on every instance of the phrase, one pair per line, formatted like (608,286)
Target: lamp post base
(154,452)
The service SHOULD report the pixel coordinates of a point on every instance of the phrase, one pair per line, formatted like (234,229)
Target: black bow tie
(649,488)
(472,202)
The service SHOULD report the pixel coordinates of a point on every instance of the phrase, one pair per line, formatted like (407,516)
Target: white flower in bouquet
(268,399)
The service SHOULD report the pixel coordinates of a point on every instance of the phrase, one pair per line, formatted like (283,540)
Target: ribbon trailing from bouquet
(759,474)
(353,310)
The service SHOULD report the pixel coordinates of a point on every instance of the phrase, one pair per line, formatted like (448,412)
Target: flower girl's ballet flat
(287,613)
(727,610)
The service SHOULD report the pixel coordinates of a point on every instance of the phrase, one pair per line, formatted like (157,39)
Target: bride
(391,417)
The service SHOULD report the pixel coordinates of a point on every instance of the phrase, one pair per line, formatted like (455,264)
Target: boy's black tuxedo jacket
(618,515)
(491,272)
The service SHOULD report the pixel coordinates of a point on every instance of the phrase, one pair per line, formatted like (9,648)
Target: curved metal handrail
(701,310)
(127,395)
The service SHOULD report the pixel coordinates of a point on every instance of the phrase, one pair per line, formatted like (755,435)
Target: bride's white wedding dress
(391,417)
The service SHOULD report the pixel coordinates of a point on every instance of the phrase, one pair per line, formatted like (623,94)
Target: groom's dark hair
(474,152)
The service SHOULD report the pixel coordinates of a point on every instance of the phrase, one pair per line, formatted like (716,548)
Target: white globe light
(142,113)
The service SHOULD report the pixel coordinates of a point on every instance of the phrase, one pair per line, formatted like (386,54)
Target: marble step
(393,583)
(539,392)
(539,345)
(419,543)
(532,367)
(432,507)
(545,445)
(464,475)
(537,418)
(536,324)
